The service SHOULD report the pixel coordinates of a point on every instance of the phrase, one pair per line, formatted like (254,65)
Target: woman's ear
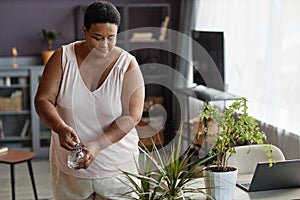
(84,30)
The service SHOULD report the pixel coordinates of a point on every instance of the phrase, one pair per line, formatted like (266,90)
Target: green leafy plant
(234,124)
(50,36)
(168,176)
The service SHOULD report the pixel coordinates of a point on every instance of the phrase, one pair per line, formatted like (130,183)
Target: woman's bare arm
(45,101)
(133,93)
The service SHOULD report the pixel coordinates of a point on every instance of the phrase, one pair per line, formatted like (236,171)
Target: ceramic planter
(46,54)
(220,185)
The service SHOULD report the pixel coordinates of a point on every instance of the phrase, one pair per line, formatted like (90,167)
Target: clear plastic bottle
(75,155)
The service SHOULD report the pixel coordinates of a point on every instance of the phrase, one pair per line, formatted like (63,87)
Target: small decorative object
(234,125)
(7,81)
(14,53)
(163,29)
(22,80)
(25,128)
(144,36)
(1,130)
(11,103)
(3,150)
(50,37)
(75,155)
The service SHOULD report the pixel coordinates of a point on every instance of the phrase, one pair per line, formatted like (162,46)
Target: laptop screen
(283,174)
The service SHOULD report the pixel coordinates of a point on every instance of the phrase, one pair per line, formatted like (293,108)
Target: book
(142,36)
(3,149)
(163,29)
(25,128)
(1,130)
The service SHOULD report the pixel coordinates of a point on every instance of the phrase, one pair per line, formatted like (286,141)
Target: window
(262,55)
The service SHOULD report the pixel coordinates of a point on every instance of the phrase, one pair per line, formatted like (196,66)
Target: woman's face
(101,37)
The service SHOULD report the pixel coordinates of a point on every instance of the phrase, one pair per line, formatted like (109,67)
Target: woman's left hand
(90,153)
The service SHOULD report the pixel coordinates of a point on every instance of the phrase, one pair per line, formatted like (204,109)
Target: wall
(21,22)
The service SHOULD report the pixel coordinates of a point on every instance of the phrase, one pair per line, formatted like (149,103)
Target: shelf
(45,134)
(23,112)
(12,72)
(149,78)
(45,137)
(15,139)
(148,44)
(14,86)
(155,41)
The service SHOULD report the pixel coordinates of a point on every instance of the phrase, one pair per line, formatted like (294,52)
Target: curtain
(184,64)
(186,24)
(262,55)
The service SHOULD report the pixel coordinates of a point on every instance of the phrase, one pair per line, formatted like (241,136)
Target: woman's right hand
(67,137)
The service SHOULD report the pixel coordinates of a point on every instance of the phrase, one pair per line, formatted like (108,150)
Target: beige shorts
(67,187)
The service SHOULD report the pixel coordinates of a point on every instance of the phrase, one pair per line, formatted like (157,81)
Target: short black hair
(101,12)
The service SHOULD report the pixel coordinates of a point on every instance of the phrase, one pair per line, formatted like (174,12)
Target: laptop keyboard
(246,185)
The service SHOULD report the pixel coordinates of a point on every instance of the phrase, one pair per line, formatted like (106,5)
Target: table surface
(12,156)
(206,94)
(282,194)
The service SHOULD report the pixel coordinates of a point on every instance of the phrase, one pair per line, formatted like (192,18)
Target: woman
(92,92)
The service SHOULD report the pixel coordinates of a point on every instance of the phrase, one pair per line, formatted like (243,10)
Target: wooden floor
(41,171)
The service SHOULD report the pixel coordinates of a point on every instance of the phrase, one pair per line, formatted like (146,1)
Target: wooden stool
(12,157)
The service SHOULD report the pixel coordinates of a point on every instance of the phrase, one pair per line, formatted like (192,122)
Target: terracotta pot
(46,54)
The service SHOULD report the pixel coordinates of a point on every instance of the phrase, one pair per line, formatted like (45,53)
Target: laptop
(283,174)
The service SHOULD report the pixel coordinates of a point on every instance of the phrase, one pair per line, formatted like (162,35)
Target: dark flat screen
(213,43)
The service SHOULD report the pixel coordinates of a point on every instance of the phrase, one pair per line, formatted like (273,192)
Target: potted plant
(49,36)
(166,174)
(233,125)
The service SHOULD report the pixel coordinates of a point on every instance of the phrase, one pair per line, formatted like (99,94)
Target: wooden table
(12,157)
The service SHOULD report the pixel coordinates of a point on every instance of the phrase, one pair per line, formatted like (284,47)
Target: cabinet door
(41,134)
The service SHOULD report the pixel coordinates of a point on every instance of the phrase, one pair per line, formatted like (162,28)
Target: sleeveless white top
(88,113)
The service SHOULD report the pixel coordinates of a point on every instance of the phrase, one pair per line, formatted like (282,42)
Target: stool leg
(32,179)
(12,180)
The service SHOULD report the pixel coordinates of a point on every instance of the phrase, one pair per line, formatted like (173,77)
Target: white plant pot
(220,185)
